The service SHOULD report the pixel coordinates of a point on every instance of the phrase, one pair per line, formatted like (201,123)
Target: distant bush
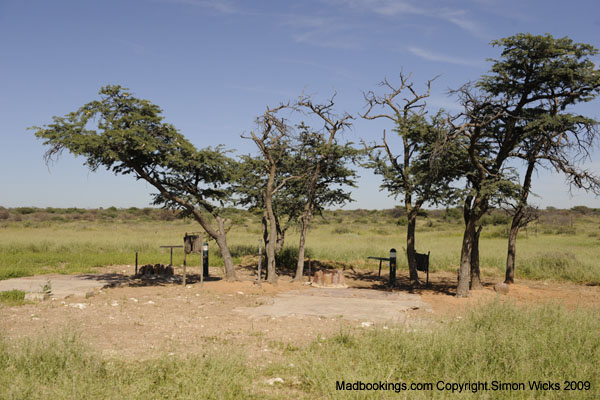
(25,210)
(341,230)
(4,213)
(495,219)
(582,210)
(423,213)
(453,213)
(166,215)
(396,212)
(74,210)
(288,257)
(566,230)
(402,221)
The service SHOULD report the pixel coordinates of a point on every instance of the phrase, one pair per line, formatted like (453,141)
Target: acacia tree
(326,174)
(128,136)
(250,186)
(533,72)
(324,167)
(273,142)
(410,173)
(554,136)
(488,179)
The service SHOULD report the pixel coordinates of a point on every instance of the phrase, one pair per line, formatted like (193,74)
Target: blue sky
(214,65)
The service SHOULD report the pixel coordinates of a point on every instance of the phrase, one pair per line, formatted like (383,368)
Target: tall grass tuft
(13,297)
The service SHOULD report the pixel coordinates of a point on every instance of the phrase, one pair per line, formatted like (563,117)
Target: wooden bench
(423,263)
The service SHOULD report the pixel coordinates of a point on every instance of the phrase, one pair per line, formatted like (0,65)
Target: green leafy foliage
(128,136)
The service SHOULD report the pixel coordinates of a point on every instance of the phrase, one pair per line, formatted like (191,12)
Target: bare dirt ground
(145,319)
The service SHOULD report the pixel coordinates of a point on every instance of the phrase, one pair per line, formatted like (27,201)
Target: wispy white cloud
(461,19)
(456,16)
(432,56)
(222,6)
(323,31)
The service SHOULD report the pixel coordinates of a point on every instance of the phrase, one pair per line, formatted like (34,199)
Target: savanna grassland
(498,340)
(562,245)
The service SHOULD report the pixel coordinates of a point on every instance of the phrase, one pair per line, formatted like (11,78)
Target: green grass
(13,297)
(498,342)
(62,368)
(33,246)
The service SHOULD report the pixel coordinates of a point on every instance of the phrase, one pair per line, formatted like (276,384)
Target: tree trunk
(280,237)
(227,259)
(410,247)
(473,210)
(516,225)
(271,244)
(219,235)
(304,220)
(221,239)
(510,258)
(464,270)
(265,235)
(475,275)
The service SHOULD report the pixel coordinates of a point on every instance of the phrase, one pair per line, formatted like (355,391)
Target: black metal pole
(392,267)
(205,258)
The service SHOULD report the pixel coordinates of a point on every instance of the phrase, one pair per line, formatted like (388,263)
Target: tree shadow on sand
(118,279)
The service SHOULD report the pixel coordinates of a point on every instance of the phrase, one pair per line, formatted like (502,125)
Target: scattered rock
(81,306)
(273,381)
(501,288)
(366,324)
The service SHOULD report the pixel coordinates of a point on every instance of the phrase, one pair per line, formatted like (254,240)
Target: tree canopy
(128,136)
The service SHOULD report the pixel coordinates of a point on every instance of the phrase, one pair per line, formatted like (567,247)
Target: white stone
(273,381)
